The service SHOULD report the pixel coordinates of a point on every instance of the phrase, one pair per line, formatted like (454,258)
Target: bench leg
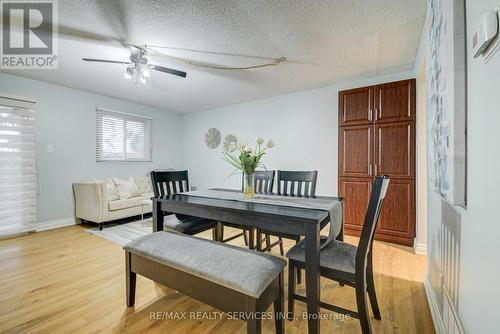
(279,319)
(253,321)
(130,280)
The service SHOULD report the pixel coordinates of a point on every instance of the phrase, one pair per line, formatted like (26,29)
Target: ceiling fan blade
(106,61)
(168,70)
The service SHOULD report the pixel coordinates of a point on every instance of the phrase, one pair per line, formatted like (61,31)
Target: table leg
(312,238)
(157,216)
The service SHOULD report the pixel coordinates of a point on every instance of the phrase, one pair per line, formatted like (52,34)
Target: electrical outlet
(50,148)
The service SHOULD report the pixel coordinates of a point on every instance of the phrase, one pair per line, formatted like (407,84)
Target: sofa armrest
(90,203)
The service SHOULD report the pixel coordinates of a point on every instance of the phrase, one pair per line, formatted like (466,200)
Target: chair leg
(291,290)
(364,319)
(268,242)
(221,232)
(251,240)
(299,274)
(214,234)
(130,281)
(259,240)
(279,321)
(282,250)
(371,289)
(245,237)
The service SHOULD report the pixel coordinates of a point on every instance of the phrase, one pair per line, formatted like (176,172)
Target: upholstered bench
(227,277)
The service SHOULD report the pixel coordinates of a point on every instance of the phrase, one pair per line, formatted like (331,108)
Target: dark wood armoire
(377,137)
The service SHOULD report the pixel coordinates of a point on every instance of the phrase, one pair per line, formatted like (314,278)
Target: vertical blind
(123,137)
(17,167)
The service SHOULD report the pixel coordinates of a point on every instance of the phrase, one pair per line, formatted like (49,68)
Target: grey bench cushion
(240,269)
(338,256)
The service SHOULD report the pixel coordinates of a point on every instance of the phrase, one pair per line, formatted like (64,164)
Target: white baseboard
(420,249)
(48,225)
(436,316)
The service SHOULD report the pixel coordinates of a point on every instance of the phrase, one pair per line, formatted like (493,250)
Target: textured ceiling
(326,42)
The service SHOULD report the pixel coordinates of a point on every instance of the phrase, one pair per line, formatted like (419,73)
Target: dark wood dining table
(274,218)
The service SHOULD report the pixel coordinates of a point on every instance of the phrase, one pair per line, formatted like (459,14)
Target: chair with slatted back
(173,182)
(263,183)
(290,183)
(346,263)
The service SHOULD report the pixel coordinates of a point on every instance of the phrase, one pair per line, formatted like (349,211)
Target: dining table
(305,216)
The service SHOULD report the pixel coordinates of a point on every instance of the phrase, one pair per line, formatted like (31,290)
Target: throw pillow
(126,188)
(111,193)
(144,184)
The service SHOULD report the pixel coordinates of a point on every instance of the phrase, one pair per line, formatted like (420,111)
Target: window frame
(124,117)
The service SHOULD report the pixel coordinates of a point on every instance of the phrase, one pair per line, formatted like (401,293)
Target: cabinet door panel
(356,150)
(395,101)
(395,149)
(355,106)
(397,217)
(356,193)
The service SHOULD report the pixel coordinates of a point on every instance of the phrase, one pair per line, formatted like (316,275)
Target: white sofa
(102,201)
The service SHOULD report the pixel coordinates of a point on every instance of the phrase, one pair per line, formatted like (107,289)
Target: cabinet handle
(376,113)
(380,114)
(376,169)
(370,115)
(370,169)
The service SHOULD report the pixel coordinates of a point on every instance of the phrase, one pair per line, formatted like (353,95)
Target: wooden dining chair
(290,183)
(263,183)
(346,263)
(172,182)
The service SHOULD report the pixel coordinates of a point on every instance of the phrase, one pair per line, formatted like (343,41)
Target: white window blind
(123,137)
(17,167)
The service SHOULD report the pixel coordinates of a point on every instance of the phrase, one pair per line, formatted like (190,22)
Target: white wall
(303,125)
(479,267)
(65,118)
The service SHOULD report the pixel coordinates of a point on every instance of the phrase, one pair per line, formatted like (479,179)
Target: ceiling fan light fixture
(129,73)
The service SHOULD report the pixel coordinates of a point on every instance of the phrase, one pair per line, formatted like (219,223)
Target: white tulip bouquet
(245,159)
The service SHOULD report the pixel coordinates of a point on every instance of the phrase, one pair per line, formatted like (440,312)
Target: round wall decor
(230,143)
(212,138)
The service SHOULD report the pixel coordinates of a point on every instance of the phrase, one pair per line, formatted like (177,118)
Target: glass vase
(248,187)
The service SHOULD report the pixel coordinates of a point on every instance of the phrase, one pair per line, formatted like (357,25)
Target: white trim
(420,249)
(18,98)
(51,224)
(431,300)
(124,113)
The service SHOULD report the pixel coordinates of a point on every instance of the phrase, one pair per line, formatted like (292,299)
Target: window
(17,167)
(123,137)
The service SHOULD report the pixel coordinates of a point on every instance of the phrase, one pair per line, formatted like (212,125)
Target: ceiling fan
(138,67)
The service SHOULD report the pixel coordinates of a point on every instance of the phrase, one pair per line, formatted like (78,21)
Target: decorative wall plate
(230,143)
(212,138)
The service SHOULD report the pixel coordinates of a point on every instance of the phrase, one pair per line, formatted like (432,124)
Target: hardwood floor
(67,280)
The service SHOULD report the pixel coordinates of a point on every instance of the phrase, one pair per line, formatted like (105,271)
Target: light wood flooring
(69,281)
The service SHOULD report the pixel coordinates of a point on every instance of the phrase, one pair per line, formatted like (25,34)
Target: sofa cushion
(125,203)
(126,188)
(239,269)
